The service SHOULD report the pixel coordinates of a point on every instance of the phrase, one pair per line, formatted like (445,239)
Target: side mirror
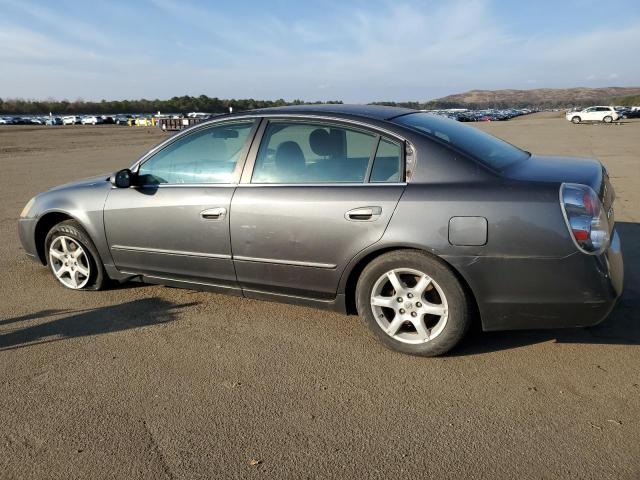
(122,178)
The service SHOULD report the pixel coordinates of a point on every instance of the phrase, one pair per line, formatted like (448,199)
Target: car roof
(375,112)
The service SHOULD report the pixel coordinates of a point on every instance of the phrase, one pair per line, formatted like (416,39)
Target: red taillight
(585,217)
(581,235)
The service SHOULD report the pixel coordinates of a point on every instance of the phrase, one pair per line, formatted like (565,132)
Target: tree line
(629,101)
(207,104)
(184,104)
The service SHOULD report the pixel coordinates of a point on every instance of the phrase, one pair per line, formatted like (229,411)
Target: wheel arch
(45,223)
(351,276)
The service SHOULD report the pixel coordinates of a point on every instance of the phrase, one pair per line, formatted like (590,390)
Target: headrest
(289,156)
(320,142)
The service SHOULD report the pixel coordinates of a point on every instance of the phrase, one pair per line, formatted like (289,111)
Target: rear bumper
(520,293)
(26,232)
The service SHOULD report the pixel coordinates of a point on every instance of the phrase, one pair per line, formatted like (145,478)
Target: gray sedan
(416,222)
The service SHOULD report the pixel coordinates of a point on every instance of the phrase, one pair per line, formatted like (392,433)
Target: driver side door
(173,224)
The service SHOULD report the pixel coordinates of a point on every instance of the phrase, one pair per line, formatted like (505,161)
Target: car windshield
(491,151)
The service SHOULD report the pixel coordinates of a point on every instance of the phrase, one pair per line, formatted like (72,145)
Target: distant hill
(538,97)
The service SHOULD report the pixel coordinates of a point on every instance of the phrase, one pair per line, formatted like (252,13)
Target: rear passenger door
(590,114)
(318,193)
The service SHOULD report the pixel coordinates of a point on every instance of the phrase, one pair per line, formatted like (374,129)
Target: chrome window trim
(234,185)
(261,119)
(237,171)
(338,184)
(380,132)
(178,185)
(369,126)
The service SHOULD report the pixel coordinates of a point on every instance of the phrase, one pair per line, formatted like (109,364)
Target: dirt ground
(154,382)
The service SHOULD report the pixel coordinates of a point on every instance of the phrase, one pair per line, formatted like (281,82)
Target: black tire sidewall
(458,303)
(72,229)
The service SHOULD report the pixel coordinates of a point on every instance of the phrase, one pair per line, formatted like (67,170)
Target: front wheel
(73,258)
(607,119)
(576,120)
(413,303)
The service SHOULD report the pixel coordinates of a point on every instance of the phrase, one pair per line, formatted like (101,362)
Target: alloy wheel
(69,262)
(409,306)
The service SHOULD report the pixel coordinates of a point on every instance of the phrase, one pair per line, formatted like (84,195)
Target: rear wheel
(576,120)
(413,303)
(73,258)
(607,119)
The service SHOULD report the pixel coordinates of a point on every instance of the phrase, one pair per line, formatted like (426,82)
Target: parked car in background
(144,121)
(91,120)
(53,121)
(70,120)
(122,119)
(201,115)
(23,121)
(413,220)
(593,114)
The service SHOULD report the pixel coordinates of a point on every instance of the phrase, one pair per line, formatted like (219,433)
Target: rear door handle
(217,213)
(363,214)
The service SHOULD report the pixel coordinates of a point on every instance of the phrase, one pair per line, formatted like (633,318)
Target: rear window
(493,152)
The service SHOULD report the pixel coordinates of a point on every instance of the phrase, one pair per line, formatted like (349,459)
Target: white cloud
(395,51)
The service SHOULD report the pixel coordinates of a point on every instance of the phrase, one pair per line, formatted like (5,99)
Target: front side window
(209,155)
(294,152)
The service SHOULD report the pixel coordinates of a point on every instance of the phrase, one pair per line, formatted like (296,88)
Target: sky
(355,51)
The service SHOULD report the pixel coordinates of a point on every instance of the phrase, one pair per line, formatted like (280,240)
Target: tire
(420,333)
(607,119)
(65,238)
(576,120)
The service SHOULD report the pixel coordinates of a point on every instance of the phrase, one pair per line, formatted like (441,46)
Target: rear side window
(209,155)
(387,162)
(293,152)
(491,151)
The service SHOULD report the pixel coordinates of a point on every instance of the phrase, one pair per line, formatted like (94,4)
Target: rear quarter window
(487,149)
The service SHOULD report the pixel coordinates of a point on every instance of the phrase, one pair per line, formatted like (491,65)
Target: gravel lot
(155,382)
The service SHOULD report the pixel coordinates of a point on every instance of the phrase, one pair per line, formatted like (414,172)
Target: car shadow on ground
(622,327)
(88,322)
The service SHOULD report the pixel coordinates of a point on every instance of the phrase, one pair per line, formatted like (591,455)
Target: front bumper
(520,293)
(27,234)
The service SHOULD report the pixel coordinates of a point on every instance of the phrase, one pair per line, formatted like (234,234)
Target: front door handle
(217,213)
(363,214)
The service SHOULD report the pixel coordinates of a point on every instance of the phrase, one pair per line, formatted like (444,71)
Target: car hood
(98,180)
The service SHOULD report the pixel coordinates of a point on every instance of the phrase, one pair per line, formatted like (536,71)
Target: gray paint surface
(295,225)
(293,243)
(161,231)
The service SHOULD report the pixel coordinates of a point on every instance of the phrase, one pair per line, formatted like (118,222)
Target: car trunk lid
(556,169)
